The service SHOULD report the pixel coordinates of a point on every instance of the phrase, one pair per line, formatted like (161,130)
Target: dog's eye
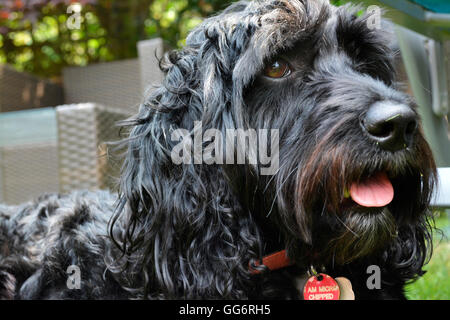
(277,69)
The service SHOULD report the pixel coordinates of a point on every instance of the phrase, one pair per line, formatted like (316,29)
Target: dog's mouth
(374,191)
(367,221)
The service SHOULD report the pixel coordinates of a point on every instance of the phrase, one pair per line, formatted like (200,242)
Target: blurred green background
(34,34)
(35,37)
(435,284)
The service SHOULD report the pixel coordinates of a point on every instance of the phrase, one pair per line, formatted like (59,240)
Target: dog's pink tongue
(377,191)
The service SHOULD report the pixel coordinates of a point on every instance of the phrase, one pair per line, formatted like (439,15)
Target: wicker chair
(57,149)
(22,91)
(64,148)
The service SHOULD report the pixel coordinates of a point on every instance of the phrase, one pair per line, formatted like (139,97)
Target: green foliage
(172,20)
(435,284)
(40,39)
(34,35)
(37,39)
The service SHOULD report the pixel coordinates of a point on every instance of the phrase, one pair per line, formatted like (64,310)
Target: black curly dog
(349,141)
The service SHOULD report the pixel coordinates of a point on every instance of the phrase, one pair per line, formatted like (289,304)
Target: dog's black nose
(391,125)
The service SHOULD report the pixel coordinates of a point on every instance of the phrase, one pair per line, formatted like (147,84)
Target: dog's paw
(7,285)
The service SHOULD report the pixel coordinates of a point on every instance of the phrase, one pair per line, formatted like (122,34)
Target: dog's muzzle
(390,125)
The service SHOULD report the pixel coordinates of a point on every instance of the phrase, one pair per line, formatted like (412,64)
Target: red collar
(273,261)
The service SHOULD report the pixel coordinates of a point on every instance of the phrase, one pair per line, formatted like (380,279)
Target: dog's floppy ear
(178,226)
(221,42)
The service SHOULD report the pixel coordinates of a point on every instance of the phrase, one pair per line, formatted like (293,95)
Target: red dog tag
(321,287)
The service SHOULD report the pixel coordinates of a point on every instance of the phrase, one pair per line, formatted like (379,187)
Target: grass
(435,284)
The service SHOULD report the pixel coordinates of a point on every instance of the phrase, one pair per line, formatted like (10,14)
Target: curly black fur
(191,230)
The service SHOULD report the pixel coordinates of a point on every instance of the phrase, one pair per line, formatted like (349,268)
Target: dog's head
(353,173)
